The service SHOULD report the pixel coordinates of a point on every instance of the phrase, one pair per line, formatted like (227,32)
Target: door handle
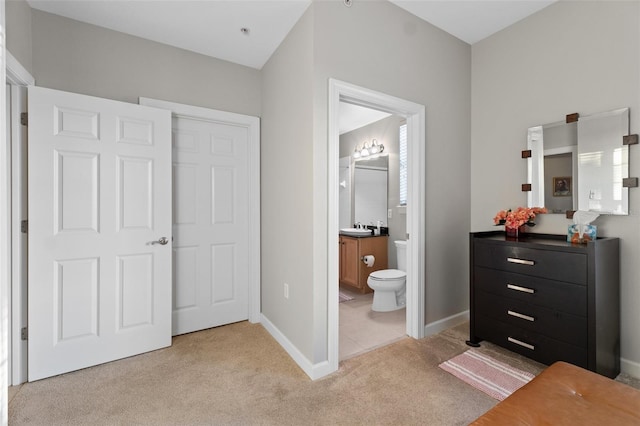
(162,241)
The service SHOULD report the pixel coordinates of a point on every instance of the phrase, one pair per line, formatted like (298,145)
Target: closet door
(99,231)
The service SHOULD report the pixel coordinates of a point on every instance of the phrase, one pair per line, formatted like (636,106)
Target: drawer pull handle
(519,315)
(522,289)
(521,343)
(520,261)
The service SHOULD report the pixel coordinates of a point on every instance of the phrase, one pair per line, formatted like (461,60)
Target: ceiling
(213,27)
(209,27)
(353,117)
(472,20)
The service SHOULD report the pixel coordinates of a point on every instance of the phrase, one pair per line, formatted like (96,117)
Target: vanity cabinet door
(353,271)
(348,261)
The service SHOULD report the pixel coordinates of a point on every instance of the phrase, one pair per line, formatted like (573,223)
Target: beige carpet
(239,375)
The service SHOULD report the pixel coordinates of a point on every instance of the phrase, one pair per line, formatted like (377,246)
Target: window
(403,164)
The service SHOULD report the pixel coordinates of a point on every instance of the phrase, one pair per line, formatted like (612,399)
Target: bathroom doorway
(415,211)
(372,193)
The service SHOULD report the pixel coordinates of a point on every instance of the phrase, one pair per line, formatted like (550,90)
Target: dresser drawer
(557,325)
(564,297)
(533,345)
(556,265)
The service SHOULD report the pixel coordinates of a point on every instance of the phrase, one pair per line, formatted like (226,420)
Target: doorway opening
(372,195)
(414,114)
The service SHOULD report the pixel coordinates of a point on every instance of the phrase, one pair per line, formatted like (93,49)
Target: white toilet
(390,285)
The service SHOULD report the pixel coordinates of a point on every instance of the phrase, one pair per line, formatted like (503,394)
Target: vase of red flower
(512,232)
(516,221)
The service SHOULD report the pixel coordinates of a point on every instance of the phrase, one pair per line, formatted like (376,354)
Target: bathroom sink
(355,232)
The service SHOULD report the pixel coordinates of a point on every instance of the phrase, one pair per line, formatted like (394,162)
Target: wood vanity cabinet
(353,271)
(547,299)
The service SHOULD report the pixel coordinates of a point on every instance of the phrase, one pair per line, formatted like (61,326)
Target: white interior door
(211,223)
(99,202)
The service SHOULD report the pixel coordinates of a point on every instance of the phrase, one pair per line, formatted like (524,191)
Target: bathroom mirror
(370,177)
(580,165)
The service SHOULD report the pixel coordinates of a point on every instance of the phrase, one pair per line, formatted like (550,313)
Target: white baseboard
(314,371)
(437,326)
(631,368)
(321,369)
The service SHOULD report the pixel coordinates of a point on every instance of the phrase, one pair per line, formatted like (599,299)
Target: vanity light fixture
(367,149)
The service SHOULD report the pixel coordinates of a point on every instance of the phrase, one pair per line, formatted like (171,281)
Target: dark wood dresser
(547,299)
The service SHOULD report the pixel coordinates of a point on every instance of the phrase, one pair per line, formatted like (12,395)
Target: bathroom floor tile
(362,329)
(349,348)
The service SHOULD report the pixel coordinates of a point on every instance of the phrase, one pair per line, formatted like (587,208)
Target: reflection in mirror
(580,165)
(603,161)
(370,189)
(344,197)
(552,166)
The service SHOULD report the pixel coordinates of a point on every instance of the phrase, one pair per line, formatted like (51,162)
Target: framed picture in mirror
(562,186)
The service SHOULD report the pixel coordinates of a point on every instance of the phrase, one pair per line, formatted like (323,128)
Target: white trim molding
(5,228)
(629,367)
(16,73)
(314,371)
(253,126)
(340,91)
(445,323)
(18,79)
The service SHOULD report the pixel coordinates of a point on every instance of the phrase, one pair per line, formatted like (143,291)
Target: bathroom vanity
(547,299)
(353,271)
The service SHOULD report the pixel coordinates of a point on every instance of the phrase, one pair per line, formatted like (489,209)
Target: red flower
(521,216)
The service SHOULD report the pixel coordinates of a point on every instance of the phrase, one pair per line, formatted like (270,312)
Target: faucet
(358,225)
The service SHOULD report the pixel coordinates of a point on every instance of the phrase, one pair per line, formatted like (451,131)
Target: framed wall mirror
(370,181)
(580,165)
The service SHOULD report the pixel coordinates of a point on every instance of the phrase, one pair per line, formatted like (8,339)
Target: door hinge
(24,226)
(24,333)
(24,118)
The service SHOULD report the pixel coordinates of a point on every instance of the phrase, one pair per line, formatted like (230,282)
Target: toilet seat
(387,275)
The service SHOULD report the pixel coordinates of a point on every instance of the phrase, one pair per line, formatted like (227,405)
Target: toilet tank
(401,254)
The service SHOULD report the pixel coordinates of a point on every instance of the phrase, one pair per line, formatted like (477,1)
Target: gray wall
(382,47)
(379,46)
(286,174)
(18,22)
(386,132)
(570,57)
(82,58)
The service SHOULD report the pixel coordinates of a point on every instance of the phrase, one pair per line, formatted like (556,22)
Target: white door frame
(252,124)
(415,115)
(17,76)
(5,227)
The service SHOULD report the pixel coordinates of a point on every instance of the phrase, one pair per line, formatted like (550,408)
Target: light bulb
(375,148)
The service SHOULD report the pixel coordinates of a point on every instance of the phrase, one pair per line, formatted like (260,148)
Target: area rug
(484,373)
(343,297)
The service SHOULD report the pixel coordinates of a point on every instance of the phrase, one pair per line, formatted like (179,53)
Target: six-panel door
(99,202)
